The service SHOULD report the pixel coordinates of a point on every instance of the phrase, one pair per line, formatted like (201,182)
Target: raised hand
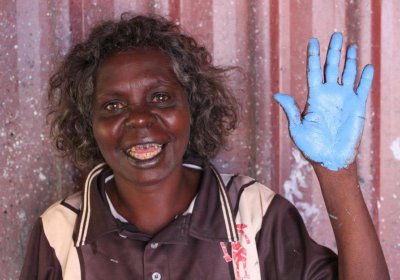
(329,130)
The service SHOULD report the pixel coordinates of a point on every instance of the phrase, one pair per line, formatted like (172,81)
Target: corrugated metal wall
(267,39)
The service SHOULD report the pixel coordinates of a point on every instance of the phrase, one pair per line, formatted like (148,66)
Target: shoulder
(250,201)
(61,216)
(245,192)
(69,206)
(49,248)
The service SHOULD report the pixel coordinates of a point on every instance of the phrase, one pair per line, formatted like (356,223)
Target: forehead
(137,63)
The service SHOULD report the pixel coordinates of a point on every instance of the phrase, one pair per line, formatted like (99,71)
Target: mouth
(144,152)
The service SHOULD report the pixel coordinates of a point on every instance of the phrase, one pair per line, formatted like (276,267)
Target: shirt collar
(208,218)
(212,217)
(95,218)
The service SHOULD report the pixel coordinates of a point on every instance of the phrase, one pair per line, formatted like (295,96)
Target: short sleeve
(40,260)
(285,249)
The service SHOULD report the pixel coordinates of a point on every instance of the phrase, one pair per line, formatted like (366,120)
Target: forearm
(360,253)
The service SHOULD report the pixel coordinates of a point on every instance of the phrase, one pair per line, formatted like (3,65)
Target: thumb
(289,106)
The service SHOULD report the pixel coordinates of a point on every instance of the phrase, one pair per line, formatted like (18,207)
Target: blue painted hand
(329,130)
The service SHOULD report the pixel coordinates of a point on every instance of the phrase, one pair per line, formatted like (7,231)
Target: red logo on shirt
(239,253)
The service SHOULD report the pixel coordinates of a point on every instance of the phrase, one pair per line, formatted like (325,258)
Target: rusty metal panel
(267,39)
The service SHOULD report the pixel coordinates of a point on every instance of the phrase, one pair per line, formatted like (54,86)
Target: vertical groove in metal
(376,106)
(76,13)
(352,26)
(252,79)
(174,10)
(275,172)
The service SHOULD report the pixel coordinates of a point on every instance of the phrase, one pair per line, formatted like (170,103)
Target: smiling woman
(141,104)
(145,135)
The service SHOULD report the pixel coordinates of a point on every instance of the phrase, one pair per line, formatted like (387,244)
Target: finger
(350,68)
(333,58)
(365,82)
(289,106)
(314,72)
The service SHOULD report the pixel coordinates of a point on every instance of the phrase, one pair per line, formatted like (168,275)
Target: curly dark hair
(213,109)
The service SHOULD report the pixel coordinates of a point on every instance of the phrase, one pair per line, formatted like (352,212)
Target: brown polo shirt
(235,228)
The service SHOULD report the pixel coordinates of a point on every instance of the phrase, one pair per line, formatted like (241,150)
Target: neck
(151,208)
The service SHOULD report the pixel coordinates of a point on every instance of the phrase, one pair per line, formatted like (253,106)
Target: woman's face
(141,116)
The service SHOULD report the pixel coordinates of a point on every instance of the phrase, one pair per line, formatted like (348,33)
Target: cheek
(105,133)
(185,130)
(179,127)
(182,122)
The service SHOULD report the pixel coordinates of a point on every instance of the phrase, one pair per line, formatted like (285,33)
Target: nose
(140,118)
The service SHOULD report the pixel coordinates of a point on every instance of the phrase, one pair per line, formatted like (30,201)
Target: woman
(141,105)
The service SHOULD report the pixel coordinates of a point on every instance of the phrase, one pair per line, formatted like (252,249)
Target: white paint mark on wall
(395,147)
(42,177)
(21,215)
(294,185)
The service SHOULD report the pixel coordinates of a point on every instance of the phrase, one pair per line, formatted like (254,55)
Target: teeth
(145,151)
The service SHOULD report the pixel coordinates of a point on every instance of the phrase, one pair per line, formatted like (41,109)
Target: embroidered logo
(239,253)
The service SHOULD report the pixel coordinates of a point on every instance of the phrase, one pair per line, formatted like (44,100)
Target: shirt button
(156,276)
(154,245)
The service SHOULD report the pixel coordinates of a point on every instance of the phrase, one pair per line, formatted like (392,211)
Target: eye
(160,97)
(114,106)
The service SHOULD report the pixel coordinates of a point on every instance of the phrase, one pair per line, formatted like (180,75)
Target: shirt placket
(155,261)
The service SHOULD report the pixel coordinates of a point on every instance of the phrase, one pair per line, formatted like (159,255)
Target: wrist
(346,177)
(349,170)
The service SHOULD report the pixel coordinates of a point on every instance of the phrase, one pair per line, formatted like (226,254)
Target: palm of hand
(331,127)
(330,130)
